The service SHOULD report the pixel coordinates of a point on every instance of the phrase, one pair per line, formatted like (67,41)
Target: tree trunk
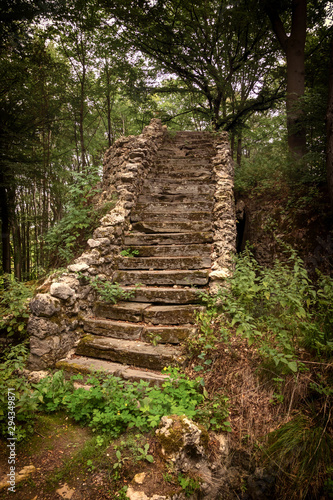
(5,226)
(293,46)
(329,129)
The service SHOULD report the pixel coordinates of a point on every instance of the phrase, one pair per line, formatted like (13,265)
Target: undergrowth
(286,322)
(110,406)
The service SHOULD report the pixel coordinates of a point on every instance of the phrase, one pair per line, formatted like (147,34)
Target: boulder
(61,290)
(44,305)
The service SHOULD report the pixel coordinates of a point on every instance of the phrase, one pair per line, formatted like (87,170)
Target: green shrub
(14,300)
(26,401)
(112,405)
(62,240)
(279,309)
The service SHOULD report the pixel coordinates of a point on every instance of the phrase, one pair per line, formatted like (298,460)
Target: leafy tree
(208,46)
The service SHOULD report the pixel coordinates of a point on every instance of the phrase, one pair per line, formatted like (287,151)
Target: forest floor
(70,464)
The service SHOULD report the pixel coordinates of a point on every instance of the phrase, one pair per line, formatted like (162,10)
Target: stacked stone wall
(224,215)
(63,300)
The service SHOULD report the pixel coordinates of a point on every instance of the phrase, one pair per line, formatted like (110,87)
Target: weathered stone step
(195,262)
(166,174)
(168,238)
(136,353)
(183,216)
(114,329)
(170,178)
(169,332)
(175,198)
(191,205)
(172,315)
(203,250)
(183,188)
(122,311)
(195,277)
(169,226)
(183,162)
(84,365)
(164,295)
(135,312)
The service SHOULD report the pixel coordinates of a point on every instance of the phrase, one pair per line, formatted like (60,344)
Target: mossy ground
(68,455)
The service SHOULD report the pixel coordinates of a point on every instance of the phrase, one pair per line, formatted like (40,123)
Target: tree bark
(329,129)
(5,226)
(293,47)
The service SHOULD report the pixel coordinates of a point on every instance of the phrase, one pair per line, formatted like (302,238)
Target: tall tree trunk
(293,46)
(329,129)
(5,225)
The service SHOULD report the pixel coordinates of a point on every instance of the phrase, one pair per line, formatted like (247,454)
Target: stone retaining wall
(224,215)
(62,300)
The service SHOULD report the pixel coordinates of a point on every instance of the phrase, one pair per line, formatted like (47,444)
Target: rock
(66,492)
(76,268)
(41,328)
(135,495)
(139,478)
(19,477)
(61,290)
(98,242)
(44,305)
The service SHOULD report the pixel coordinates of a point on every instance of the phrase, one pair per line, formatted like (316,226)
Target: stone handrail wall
(62,300)
(224,215)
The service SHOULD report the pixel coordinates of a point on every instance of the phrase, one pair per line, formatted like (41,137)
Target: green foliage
(129,253)
(279,310)
(14,298)
(112,405)
(25,403)
(214,413)
(51,391)
(202,344)
(189,484)
(80,218)
(144,455)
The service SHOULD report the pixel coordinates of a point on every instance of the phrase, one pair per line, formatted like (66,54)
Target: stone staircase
(167,264)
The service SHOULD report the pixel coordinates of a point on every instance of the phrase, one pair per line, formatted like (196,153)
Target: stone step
(170,179)
(115,329)
(187,278)
(184,216)
(122,311)
(172,315)
(129,352)
(169,226)
(167,174)
(86,366)
(168,334)
(175,198)
(168,238)
(162,332)
(204,250)
(183,162)
(195,262)
(182,188)
(126,312)
(164,295)
(173,206)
